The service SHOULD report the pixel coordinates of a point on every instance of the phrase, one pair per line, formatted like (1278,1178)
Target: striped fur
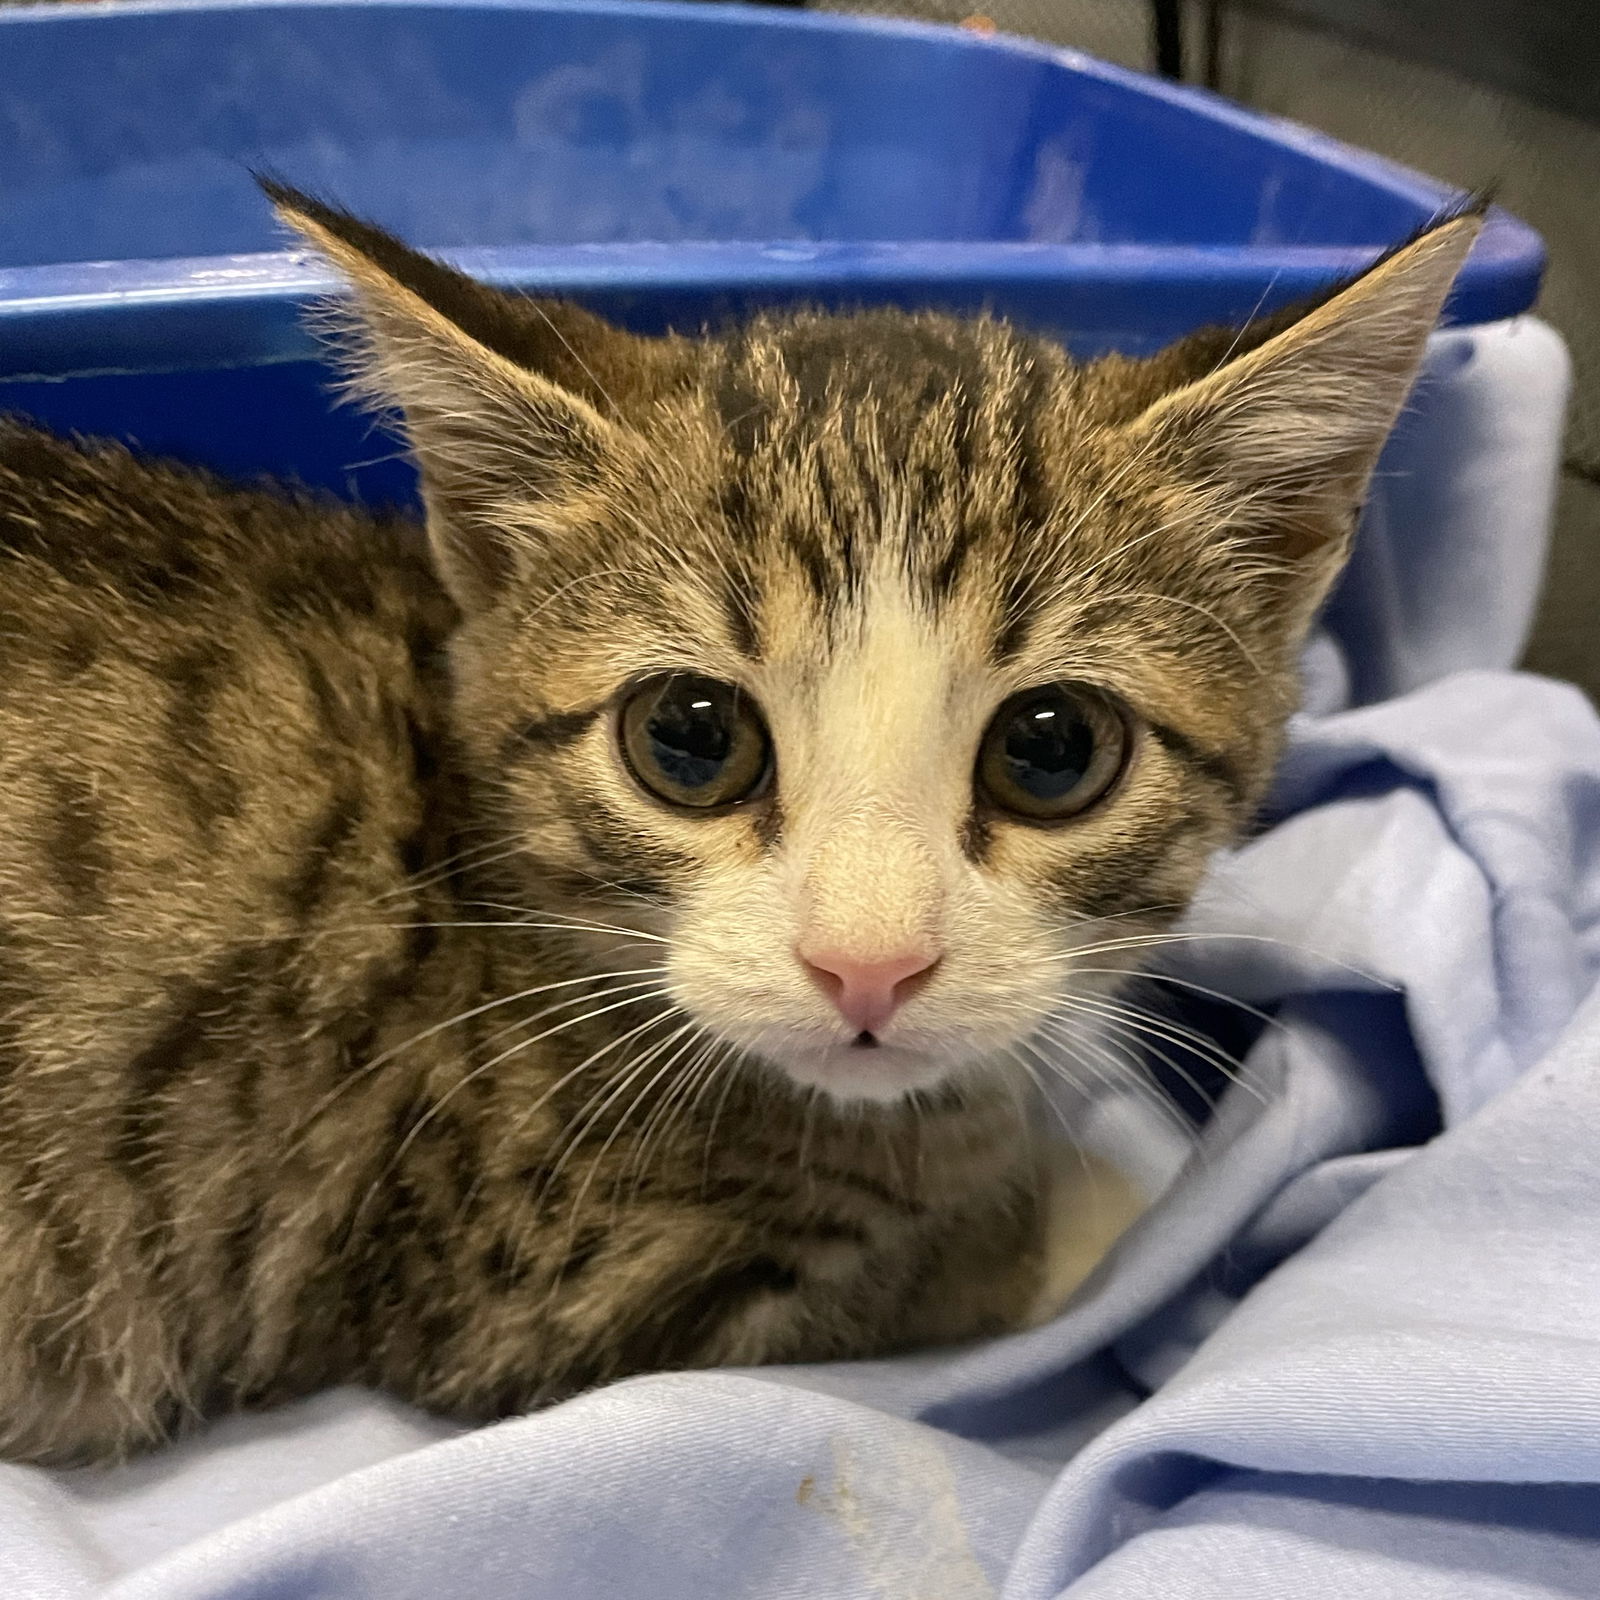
(362,1020)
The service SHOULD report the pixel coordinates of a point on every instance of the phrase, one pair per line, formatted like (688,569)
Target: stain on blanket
(902,1516)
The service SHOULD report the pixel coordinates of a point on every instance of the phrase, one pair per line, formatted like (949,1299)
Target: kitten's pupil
(689,739)
(1049,749)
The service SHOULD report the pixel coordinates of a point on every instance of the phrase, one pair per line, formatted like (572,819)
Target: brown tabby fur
(284,790)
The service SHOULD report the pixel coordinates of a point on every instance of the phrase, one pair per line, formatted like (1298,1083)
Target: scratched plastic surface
(125,135)
(670,164)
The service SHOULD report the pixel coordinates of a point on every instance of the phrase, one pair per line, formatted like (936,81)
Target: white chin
(849,1073)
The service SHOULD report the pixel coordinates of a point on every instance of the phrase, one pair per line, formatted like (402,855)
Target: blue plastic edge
(45,312)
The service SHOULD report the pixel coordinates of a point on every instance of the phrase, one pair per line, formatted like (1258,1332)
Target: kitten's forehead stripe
(826,578)
(946,571)
(1039,376)
(1018,613)
(741,613)
(843,433)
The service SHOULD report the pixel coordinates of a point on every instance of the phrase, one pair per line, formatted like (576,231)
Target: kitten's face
(899,673)
(868,700)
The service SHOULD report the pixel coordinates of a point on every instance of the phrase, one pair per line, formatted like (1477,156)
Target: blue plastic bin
(667,164)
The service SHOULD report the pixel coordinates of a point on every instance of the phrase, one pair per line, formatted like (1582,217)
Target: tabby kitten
(609,932)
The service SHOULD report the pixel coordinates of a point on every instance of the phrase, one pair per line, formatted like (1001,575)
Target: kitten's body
(369,1013)
(239,886)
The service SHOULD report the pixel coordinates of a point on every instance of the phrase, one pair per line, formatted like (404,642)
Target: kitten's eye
(1050,753)
(695,742)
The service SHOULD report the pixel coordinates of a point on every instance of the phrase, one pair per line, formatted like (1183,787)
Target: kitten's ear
(504,397)
(1283,437)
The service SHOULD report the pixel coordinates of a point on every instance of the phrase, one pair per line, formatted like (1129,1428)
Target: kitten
(610,931)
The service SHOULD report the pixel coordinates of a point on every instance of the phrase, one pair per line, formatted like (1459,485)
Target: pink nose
(868,993)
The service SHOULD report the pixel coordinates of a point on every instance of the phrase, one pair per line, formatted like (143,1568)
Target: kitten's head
(902,672)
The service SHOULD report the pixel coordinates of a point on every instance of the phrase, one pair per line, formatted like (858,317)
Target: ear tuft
(1284,436)
(489,432)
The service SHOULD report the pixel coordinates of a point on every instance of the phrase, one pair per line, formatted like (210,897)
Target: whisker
(1079,921)
(678,1104)
(1147,1029)
(599,888)
(498,923)
(587,1118)
(1119,1072)
(730,1079)
(370,1067)
(1210,616)
(665,1109)
(1150,1023)
(697,1042)
(510,999)
(627,1073)
(1031,1069)
(1127,1070)
(672,1008)
(480,855)
(477,1072)
(608,1087)
(1147,974)
(571,921)
(1156,941)
(579,1119)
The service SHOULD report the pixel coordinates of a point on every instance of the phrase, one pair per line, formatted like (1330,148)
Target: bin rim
(1379,171)
(43,309)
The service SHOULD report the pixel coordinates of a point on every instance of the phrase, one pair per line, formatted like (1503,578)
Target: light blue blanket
(1353,1351)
